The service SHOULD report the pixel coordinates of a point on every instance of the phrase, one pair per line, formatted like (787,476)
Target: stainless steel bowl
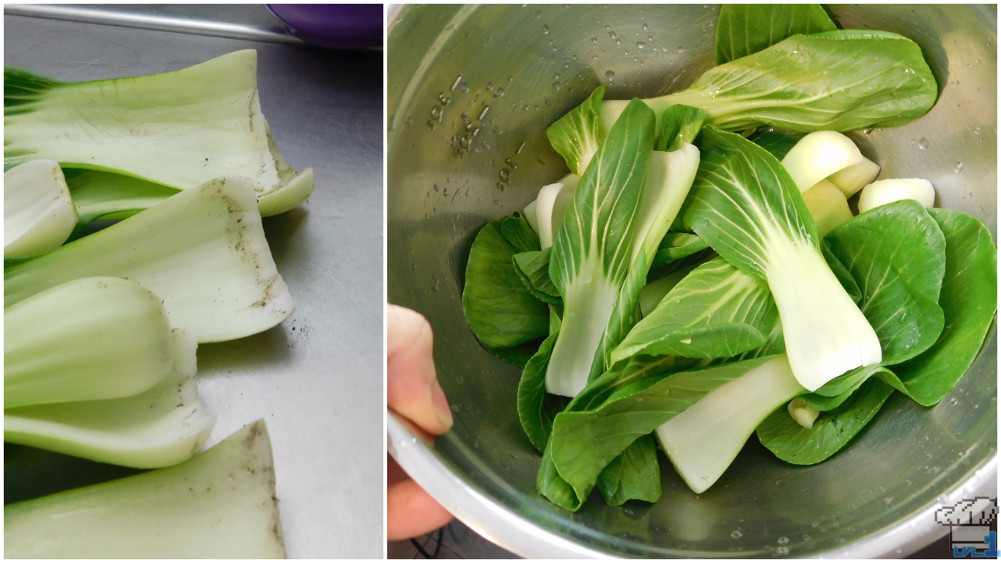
(470,92)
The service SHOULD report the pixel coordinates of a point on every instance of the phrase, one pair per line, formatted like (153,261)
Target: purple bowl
(338,26)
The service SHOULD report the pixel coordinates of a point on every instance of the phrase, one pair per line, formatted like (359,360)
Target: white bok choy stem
(831,156)
(546,212)
(886,191)
(202,251)
(624,203)
(181,128)
(162,426)
(702,440)
(747,208)
(219,504)
(38,212)
(91,338)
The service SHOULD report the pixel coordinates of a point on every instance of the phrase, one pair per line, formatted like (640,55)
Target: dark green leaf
(831,431)
(533,268)
(634,475)
(743,29)
(536,408)
(969,299)
(577,135)
(498,308)
(550,485)
(896,254)
(516,231)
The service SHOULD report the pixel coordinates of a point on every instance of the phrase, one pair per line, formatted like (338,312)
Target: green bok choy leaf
(626,200)
(838,80)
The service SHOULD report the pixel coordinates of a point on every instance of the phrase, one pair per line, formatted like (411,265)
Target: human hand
(413,392)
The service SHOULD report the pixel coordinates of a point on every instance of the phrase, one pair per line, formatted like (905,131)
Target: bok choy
(202,251)
(626,200)
(766,306)
(219,504)
(159,427)
(91,338)
(179,129)
(39,213)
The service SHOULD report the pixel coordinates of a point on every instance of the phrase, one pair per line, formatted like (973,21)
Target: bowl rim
(498,523)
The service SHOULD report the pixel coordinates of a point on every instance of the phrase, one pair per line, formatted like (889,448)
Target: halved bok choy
(179,129)
(625,201)
(202,251)
(747,207)
(159,427)
(86,339)
(219,504)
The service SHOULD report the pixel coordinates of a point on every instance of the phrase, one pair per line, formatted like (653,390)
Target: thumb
(412,388)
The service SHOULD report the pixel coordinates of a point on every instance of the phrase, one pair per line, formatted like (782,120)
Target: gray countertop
(317,378)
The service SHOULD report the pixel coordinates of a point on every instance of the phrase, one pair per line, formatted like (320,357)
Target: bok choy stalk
(203,252)
(91,338)
(839,80)
(626,199)
(585,440)
(830,156)
(219,504)
(162,426)
(39,214)
(180,129)
(889,190)
(702,440)
(745,205)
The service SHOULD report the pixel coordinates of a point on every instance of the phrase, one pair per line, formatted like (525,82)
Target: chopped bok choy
(180,129)
(219,504)
(202,251)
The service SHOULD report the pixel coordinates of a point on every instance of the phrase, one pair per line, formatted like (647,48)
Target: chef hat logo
(979,511)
